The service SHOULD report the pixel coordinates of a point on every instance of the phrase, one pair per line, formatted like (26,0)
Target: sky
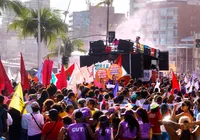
(121,6)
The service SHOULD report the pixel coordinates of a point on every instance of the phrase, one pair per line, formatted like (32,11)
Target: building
(166,23)
(90,25)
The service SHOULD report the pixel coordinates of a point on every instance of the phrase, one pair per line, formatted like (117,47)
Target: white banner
(147,75)
(98,66)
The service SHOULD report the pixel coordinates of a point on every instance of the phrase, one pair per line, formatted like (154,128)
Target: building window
(170,33)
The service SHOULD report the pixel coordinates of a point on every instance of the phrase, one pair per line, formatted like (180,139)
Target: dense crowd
(139,111)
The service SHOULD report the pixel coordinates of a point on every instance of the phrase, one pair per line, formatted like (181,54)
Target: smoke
(133,27)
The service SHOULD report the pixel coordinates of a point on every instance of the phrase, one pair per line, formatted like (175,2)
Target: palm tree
(52,26)
(69,45)
(108,3)
(13,5)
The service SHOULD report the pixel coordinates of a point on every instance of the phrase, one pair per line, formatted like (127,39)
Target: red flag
(118,61)
(68,72)
(24,77)
(175,83)
(46,72)
(62,82)
(4,80)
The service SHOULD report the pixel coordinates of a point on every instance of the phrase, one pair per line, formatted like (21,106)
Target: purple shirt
(77,131)
(126,131)
(145,129)
(108,134)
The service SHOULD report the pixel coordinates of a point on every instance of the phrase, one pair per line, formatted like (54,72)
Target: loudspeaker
(125,46)
(111,36)
(137,63)
(164,60)
(137,66)
(97,47)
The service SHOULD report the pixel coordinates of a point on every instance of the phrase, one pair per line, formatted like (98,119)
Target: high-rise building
(90,25)
(166,23)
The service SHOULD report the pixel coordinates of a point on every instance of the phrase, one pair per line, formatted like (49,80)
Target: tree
(13,5)
(108,3)
(52,26)
(69,45)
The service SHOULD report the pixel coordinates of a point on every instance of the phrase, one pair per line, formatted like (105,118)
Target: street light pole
(39,34)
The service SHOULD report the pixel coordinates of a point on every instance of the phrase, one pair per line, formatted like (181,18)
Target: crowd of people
(139,111)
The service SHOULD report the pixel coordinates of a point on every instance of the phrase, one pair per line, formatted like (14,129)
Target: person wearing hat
(155,118)
(80,130)
(104,132)
(51,129)
(33,122)
(129,127)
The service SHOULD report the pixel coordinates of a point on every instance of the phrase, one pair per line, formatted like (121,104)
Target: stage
(134,64)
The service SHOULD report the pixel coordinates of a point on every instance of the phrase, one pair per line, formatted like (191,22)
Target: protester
(51,129)
(80,130)
(33,122)
(129,127)
(3,119)
(104,132)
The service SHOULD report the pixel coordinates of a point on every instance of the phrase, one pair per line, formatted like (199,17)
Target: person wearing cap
(51,129)
(129,127)
(155,118)
(33,122)
(80,130)
(104,132)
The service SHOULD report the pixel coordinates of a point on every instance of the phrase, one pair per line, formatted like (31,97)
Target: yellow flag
(17,101)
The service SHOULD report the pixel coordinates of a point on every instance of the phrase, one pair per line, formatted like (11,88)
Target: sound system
(111,36)
(164,60)
(137,63)
(125,45)
(97,47)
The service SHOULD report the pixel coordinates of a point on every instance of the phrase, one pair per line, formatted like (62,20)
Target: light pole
(39,34)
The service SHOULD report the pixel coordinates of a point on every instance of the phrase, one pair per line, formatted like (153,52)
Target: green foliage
(12,5)
(52,26)
(105,2)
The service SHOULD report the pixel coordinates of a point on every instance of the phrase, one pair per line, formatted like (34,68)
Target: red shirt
(154,118)
(48,127)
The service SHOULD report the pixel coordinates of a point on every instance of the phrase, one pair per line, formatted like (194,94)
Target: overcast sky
(122,6)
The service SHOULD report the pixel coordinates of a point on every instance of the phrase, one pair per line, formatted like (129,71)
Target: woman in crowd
(80,130)
(128,128)
(145,126)
(33,122)
(104,132)
(52,128)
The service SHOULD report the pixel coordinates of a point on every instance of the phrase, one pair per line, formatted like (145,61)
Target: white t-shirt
(198,117)
(29,123)
(140,102)
(9,120)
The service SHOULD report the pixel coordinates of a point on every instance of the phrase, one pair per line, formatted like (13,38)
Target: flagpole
(130,69)
(39,34)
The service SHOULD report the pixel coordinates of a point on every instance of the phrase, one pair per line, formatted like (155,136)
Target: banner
(98,66)
(154,76)
(116,70)
(101,75)
(147,75)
